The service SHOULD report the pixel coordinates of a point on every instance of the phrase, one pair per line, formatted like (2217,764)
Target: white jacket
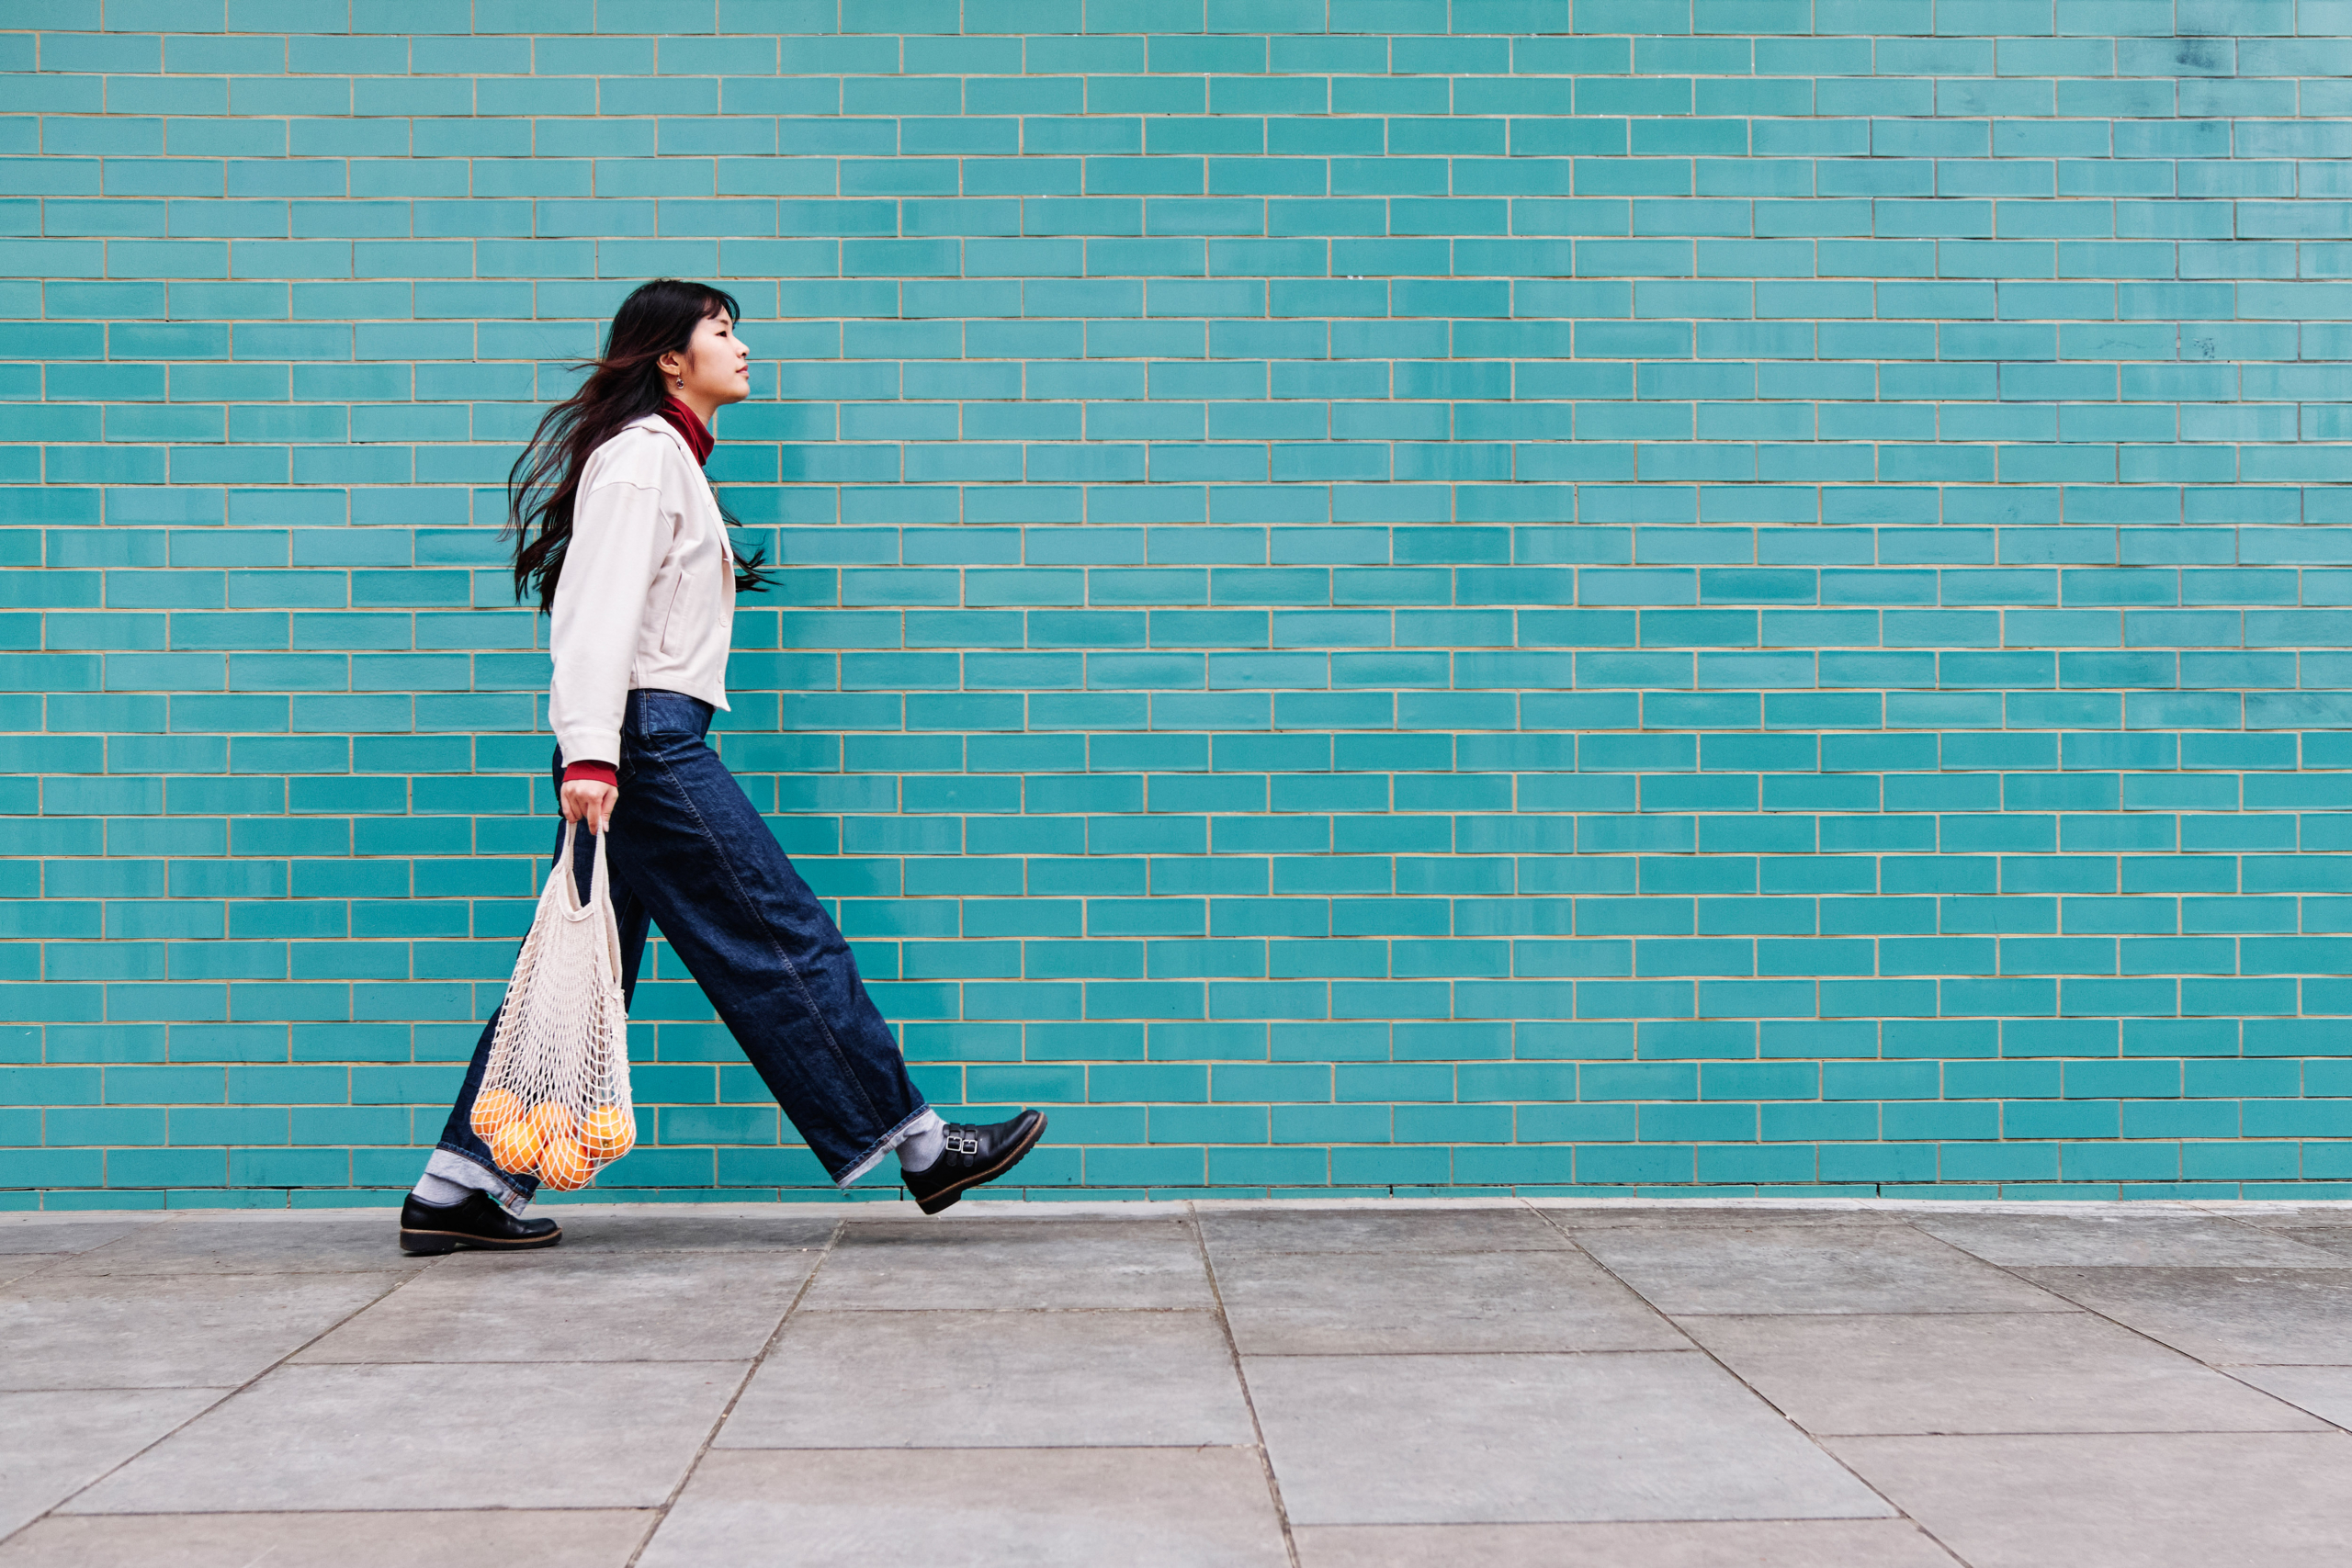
(647,594)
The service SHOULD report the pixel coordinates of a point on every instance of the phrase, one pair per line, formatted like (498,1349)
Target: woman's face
(716,367)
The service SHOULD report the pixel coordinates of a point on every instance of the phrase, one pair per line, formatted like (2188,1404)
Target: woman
(619,537)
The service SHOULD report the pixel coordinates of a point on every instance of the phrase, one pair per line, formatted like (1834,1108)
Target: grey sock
(458,1176)
(921,1148)
(439,1190)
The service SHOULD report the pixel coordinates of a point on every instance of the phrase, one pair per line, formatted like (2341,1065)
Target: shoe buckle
(962,1143)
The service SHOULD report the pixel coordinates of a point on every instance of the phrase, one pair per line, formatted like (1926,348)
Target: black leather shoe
(478,1221)
(973,1154)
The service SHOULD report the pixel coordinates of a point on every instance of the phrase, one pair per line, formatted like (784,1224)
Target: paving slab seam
(60,1260)
(1249,1399)
(2222,1367)
(2245,1223)
(2012,1271)
(686,1477)
(1770,1403)
(227,1394)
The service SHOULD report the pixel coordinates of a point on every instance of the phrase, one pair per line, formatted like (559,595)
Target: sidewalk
(1358,1385)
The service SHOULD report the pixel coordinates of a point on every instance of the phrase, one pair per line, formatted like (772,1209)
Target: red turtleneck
(686,422)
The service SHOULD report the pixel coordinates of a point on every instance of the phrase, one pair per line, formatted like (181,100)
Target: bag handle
(599,906)
(600,882)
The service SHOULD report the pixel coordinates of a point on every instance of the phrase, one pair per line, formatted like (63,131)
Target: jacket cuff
(585,743)
(598,772)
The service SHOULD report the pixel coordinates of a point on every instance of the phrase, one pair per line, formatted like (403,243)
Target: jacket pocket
(676,631)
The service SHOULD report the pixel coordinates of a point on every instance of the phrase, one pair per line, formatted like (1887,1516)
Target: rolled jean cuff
(922,1120)
(451,1164)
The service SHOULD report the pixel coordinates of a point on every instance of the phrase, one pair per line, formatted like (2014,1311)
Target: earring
(679,381)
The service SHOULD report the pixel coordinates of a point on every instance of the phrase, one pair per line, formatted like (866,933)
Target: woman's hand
(591,799)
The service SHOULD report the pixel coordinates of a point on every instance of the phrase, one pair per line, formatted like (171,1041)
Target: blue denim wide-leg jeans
(688,851)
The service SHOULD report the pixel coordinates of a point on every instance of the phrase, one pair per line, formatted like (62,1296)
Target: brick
(1381,594)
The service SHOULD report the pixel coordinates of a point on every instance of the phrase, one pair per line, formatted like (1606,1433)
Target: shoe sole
(433,1244)
(946,1195)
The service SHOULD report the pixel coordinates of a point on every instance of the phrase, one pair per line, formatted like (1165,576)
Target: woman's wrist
(592,773)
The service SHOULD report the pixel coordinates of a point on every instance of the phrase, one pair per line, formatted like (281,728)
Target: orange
(515,1147)
(611,1131)
(564,1165)
(493,1109)
(553,1120)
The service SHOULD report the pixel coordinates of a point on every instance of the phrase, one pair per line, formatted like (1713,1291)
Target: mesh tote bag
(554,1098)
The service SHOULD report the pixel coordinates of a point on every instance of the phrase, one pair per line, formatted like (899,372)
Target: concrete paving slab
(1044,1212)
(1574,1214)
(562,1435)
(2326,1392)
(1316,1304)
(1508,1440)
(234,1246)
(2222,1316)
(683,1229)
(2334,1240)
(2285,1216)
(518,1538)
(1786,1269)
(15,1266)
(42,1234)
(586,1306)
(2327,1226)
(1013,1265)
(1296,1203)
(974,1509)
(2040,1372)
(2119,1238)
(1086,1333)
(53,1445)
(2262,1500)
(1240,1231)
(168,1331)
(1783,1544)
(860,1380)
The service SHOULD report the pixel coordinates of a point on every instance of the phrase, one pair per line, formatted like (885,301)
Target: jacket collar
(669,432)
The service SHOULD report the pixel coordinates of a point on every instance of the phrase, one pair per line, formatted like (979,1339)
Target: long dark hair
(624,385)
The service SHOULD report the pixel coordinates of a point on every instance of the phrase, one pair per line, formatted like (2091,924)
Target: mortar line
(1241,1377)
(661,1514)
(1819,1447)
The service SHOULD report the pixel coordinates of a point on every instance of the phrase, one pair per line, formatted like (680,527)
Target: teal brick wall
(1747,594)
